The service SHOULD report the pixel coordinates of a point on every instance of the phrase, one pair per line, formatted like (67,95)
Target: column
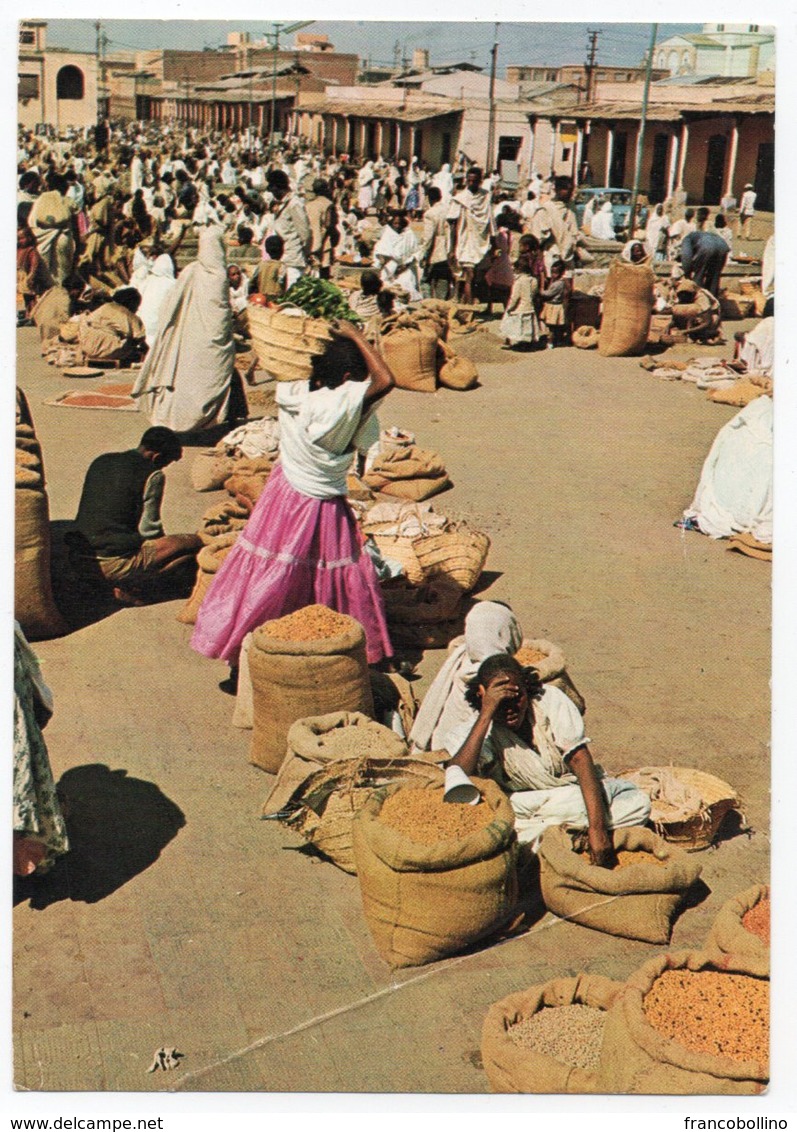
(347,134)
(379,138)
(398,140)
(363,139)
(731,173)
(554,143)
(323,133)
(412,145)
(334,135)
(579,148)
(532,141)
(260,115)
(609,154)
(682,159)
(672,165)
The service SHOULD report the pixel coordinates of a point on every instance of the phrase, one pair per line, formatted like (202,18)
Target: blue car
(621,206)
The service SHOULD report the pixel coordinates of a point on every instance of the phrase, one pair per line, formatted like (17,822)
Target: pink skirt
(294,551)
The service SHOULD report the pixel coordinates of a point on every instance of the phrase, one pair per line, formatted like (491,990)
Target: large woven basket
(459,553)
(696,830)
(401,548)
(286,340)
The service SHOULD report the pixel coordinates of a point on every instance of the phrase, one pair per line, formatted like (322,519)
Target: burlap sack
(585,337)
(512,1069)
(552,669)
(249,477)
(407,472)
(423,902)
(393,695)
(208,559)
(243,714)
(729,937)
(627,309)
(411,354)
(210,469)
(638,1059)
(294,680)
(636,902)
(331,797)
(34,605)
(458,372)
(223,518)
(734,305)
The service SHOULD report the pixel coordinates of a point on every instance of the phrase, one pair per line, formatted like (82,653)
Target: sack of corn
(409,346)
(407,472)
(34,604)
(435,877)
(742,929)
(638,899)
(210,469)
(548,661)
(458,553)
(684,1026)
(208,560)
(627,309)
(734,305)
(306,664)
(223,519)
(688,806)
(328,800)
(548,1038)
(457,372)
(286,340)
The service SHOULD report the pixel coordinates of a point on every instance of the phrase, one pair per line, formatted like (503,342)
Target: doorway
(715,168)
(658,169)
(617,169)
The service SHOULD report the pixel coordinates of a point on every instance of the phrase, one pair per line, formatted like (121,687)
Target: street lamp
(273,38)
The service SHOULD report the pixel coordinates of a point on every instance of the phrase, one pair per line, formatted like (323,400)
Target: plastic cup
(459,788)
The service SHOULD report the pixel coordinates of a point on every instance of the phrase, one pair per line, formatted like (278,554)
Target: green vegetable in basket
(320,299)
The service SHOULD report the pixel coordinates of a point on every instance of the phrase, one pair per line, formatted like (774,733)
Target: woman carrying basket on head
(301,544)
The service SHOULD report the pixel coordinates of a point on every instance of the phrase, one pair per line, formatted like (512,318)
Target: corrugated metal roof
(763,103)
(397,111)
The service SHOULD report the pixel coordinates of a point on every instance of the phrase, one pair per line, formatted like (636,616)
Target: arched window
(69,83)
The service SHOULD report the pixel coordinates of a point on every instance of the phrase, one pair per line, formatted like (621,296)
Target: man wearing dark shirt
(119,526)
(703,255)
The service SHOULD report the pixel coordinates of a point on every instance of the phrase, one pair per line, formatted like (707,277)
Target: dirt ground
(181,919)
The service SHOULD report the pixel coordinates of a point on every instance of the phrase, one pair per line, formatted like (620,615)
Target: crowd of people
(98,233)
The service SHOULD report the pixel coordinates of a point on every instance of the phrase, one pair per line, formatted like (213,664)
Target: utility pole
(273,37)
(491,115)
(589,66)
(640,140)
(102,41)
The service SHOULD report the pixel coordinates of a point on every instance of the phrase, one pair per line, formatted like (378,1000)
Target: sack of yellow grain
(435,877)
(548,661)
(627,309)
(286,340)
(208,560)
(686,1027)
(534,1041)
(742,929)
(638,899)
(34,604)
(305,664)
(327,801)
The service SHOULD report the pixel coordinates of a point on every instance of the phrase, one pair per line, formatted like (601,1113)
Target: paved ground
(181,919)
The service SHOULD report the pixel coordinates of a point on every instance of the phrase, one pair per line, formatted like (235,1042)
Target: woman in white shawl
(184,383)
(229,175)
(444,182)
(656,233)
(365,181)
(397,252)
(154,289)
(445,717)
(602,227)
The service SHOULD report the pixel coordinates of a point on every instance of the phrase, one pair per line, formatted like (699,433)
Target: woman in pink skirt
(301,545)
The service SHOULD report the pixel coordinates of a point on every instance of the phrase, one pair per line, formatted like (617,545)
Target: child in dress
(520,327)
(553,312)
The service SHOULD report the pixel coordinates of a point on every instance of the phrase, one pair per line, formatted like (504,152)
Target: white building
(722,50)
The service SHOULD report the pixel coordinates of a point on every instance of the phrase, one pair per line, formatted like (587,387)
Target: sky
(468,41)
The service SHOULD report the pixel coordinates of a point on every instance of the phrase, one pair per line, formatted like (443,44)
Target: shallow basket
(699,829)
(459,553)
(401,548)
(285,343)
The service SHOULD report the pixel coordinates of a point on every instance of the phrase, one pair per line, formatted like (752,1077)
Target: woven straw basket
(695,830)
(401,548)
(285,343)
(459,553)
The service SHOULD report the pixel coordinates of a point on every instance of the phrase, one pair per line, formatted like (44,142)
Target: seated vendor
(114,332)
(119,527)
(530,738)
(696,311)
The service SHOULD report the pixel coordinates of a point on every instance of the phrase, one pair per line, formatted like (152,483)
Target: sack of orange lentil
(209,558)
(638,899)
(685,1026)
(742,929)
(307,663)
(327,801)
(548,1038)
(435,876)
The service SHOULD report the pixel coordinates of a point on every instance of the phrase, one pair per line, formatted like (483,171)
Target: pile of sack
(414,345)
(400,468)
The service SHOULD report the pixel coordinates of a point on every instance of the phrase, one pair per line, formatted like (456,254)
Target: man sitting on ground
(114,332)
(119,527)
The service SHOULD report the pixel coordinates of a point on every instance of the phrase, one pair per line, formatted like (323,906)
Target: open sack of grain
(285,340)
(742,929)
(548,1038)
(684,1026)
(305,664)
(548,661)
(638,899)
(688,806)
(435,877)
(209,559)
(34,604)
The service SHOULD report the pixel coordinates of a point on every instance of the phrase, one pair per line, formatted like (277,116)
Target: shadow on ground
(117,828)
